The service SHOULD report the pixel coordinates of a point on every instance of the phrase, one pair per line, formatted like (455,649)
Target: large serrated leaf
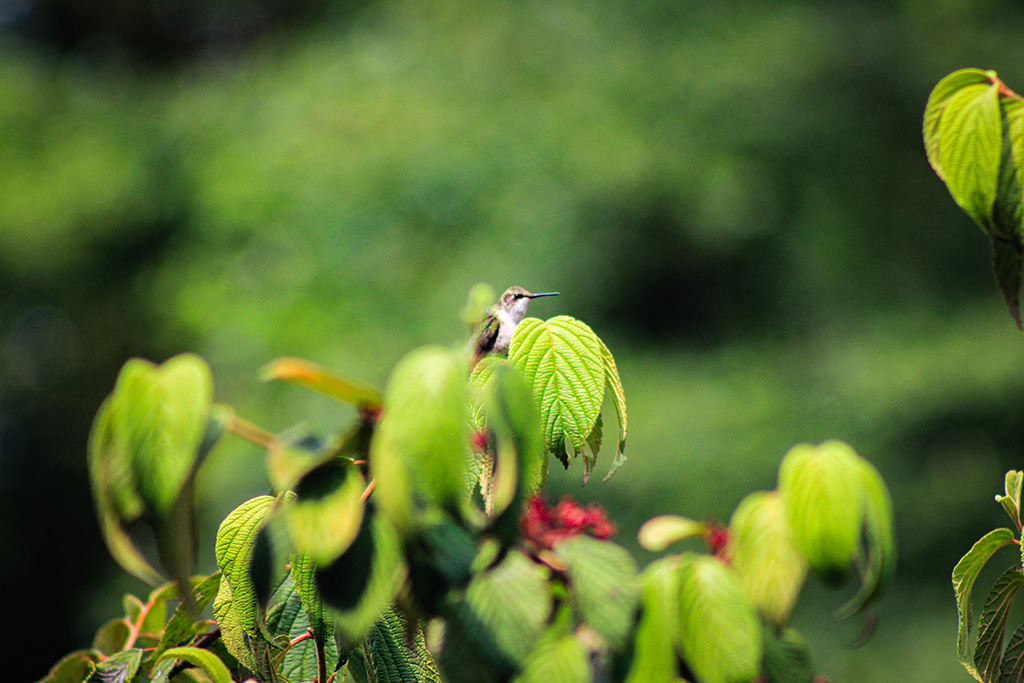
(233,634)
(236,541)
(964,575)
(761,550)
(820,489)
(392,656)
(988,653)
(605,592)
(498,620)
(159,416)
(654,657)
(719,632)
(1012,670)
(563,362)
(421,453)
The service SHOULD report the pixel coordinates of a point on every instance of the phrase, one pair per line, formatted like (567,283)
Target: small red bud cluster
(546,526)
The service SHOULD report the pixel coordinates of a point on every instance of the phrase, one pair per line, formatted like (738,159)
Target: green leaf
(112,636)
(312,376)
(563,362)
(962,139)
(878,566)
(120,668)
(820,488)
(236,542)
(614,382)
(158,418)
(288,617)
(1013,659)
(234,635)
(964,575)
(203,659)
(988,653)
(498,620)
(360,584)
(771,570)
(605,592)
(1011,500)
(786,658)
(392,656)
(115,497)
(183,627)
(325,515)
(557,659)
(720,634)
(654,659)
(660,532)
(420,454)
(73,668)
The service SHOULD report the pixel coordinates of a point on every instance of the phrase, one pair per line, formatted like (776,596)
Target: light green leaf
(761,550)
(235,637)
(654,659)
(324,516)
(720,634)
(605,591)
(203,659)
(420,454)
(557,659)
(963,139)
(988,653)
(236,541)
(964,575)
(878,565)
(660,532)
(820,488)
(312,376)
(563,362)
(1011,500)
(614,382)
(158,418)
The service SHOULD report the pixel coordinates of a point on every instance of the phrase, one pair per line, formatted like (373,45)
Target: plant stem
(247,430)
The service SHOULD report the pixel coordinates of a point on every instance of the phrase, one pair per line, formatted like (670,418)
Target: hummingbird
(495,332)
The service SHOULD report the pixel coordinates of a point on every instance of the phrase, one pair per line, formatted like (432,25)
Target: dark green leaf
(719,632)
(1012,670)
(183,626)
(112,636)
(964,575)
(603,578)
(392,656)
(988,653)
(288,617)
(74,668)
(786,658)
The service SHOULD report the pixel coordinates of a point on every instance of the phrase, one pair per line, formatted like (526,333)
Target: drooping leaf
(563,362)
(786,658)
(325,515)
(719,632)
(761,550)
(393,657)
(312,376)
(605,591)
(496,624)
(73,668)
(614,382)
(204,659)
(820,489)
(988,652)
(878,566)
(964,575)
(654,657)
(660,532)
(421,453)
(236,542)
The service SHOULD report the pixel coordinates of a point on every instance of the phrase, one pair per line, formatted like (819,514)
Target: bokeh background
(733,194)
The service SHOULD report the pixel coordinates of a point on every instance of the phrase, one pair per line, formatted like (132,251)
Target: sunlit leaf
(720,634)
(658,533)
(420,454)
(312,376)
(203,659)
(236,541)
(233,634)
(605,591)
(761,550)
(964,575)
(614,382)
(557,659)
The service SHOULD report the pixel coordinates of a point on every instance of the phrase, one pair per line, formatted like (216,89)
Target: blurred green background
(734,195)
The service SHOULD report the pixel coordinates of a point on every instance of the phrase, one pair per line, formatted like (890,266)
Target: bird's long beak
(534,296)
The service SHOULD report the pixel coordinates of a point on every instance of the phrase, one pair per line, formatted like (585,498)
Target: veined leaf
(988,653)
(660,532)
(1011,500)
(605,591)
(236,541)
(964,575)
(556,659)
(1013,659)
(421,453)
(719,631)
(312,376)
(73,668)
(183,626)
(158,418)
(820,489)
(235,637)
(654,657)
(204,659)
(562,360)
(614,382)
(392,656)
(761,550)
(288,617)
(120,668)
